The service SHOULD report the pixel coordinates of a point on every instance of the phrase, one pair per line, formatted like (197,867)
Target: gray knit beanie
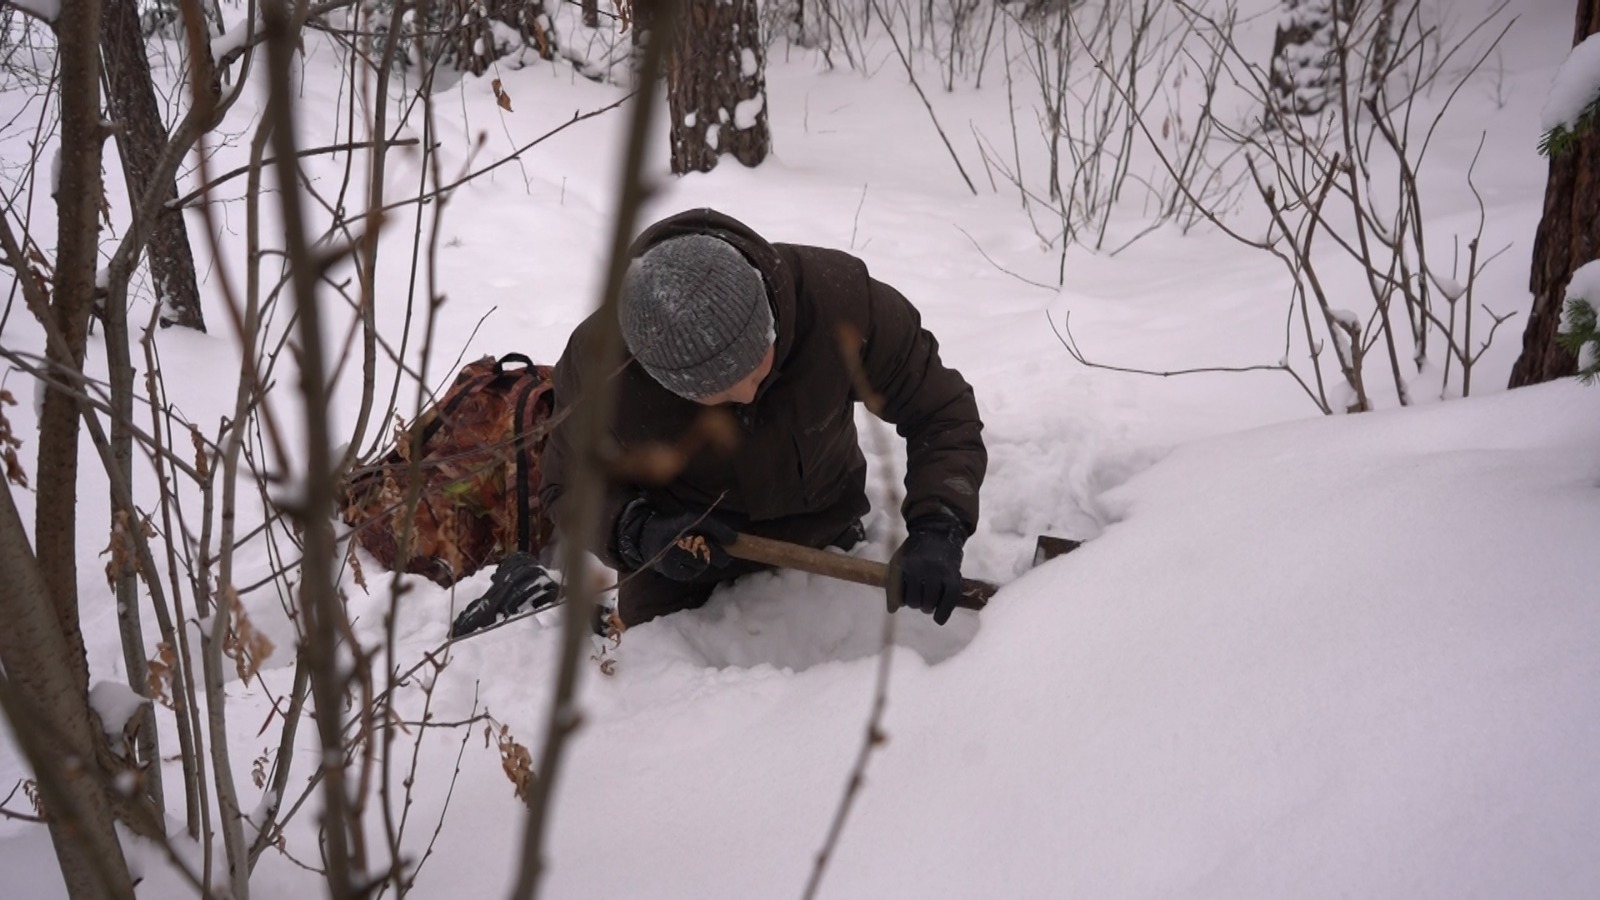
(695,314)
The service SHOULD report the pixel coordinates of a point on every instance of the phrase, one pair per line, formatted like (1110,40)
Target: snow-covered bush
(1304,69)
(1345,187)
(466,36)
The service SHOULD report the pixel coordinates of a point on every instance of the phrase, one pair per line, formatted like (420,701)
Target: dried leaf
(247,647)
(258,771)
(517,763)
(200,464)
(9,443)
(606,664)
(124,561)
(355,566)
(501,97)
(30,788)
(14,471)
(159,674)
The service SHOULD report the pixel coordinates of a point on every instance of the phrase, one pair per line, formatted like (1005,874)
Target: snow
(1296,656)
(1575,88)
(1585,283)
(746,111)
(234,38)
(116,704)
(48,10)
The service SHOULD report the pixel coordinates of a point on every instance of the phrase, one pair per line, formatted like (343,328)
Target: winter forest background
(1241,287)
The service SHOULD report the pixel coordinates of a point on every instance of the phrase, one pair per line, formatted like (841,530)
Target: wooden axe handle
(784,555)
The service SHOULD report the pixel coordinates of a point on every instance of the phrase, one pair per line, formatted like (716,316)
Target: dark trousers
(647,594)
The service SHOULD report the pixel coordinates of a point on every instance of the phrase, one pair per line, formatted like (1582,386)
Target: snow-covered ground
(1297,656)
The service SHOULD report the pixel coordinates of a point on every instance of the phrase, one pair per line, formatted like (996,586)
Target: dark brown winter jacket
(798,453)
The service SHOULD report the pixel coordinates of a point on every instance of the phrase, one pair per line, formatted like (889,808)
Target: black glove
(925,573)
(682,546)
(519,585)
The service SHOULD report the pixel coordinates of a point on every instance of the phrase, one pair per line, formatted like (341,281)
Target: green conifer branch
(1580,329)
(1561,139)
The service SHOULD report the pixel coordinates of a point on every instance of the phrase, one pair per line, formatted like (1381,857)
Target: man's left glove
(925,573)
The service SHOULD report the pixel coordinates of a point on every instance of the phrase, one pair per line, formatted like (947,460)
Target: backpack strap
(528,397)
(500,364)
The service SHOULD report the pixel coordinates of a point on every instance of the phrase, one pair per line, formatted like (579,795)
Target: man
(713,315)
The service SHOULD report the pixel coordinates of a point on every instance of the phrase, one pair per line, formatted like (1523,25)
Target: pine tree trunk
(1567,238)
(141,136)
(717,86)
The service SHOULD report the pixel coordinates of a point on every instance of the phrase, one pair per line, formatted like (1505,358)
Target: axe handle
(784,555)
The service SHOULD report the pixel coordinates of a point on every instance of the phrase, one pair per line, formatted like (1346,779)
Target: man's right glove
(682,546)
(925,573)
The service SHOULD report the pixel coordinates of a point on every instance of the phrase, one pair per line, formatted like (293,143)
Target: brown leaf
(517,763)
(501,97)
(14,471)
(30,789)
(247,647)
(200,464)
(355,566)
(124,561)
(9,443)
(158,679)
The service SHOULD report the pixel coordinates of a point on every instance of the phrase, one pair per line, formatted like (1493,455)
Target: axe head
(1048,548)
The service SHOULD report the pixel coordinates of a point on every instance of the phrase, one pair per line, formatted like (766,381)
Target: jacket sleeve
(931,406)
(559,460)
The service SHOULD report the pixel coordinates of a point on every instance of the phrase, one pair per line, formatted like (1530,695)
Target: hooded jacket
(797,452)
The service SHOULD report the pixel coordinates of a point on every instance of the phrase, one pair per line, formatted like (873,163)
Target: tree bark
(141,136)
(717,86)
(1567,238)
(51,720)
(72,298)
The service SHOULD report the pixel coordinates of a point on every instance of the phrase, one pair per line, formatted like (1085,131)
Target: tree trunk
(1567,238)
(717,86)
(51,721)
(141,136)
(77,258)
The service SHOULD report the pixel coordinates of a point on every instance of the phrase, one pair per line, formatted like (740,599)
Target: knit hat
(695,314)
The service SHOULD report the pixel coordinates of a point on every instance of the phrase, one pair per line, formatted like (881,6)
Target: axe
(975,594)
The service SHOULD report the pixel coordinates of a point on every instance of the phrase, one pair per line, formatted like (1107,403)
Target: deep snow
(1298,656)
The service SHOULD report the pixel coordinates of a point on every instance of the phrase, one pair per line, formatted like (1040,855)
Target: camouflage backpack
(479,471)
